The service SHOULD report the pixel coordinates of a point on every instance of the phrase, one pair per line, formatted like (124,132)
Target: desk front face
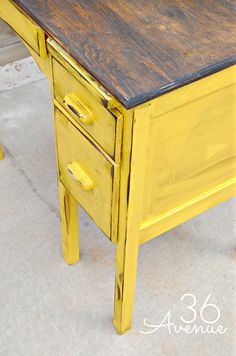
(191,149)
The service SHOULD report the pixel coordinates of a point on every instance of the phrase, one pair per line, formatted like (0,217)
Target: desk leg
(126,267)
(1,153)
(69,225)
(131,197)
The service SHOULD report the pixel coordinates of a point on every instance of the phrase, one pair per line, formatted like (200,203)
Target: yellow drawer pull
(72,102)
(78,173)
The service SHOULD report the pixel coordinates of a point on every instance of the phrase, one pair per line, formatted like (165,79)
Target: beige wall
(11,48)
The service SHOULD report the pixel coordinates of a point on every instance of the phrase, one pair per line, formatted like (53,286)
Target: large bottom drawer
(88,173)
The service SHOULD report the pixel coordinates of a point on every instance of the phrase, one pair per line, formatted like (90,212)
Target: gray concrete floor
(49,308)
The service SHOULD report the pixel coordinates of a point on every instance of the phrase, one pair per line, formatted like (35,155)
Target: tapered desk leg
(69,225)
(126,267)
(1,153)
(131,197)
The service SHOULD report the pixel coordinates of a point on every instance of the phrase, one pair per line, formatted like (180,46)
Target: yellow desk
(138,164)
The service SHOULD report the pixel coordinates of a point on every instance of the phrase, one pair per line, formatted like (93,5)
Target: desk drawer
(97,120)
(88,173)
(29,31)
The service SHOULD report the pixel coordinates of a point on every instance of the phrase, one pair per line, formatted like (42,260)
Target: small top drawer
(102,124)
(29,31)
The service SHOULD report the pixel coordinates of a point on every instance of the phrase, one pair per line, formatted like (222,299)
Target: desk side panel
(191,160)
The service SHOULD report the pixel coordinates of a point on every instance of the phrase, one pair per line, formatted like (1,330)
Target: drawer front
(23,26)
(88,173)
(100,123)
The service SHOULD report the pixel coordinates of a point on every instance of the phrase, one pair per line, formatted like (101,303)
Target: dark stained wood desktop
(140,49)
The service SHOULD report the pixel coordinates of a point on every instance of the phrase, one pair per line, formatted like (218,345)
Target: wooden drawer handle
(78,173)
(72,102)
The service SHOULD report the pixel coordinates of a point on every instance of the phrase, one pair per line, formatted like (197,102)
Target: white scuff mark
(19,73)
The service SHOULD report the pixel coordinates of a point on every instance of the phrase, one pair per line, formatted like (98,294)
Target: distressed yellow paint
(80,176)
(69,225)
(101,124)
(128,240)
(26,28)
(81,75)
(191,152)
(44,63)
(192,92)
(138,172)
(75,106)
(160,224)
(1,153)
(95,164)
